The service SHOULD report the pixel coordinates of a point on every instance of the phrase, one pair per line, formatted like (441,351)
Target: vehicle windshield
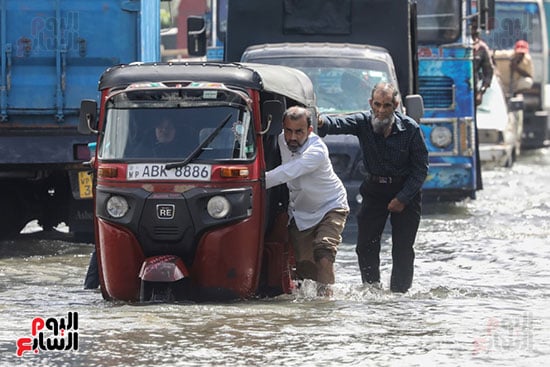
(438,21)
(156,125)
(342,85)
(515,21)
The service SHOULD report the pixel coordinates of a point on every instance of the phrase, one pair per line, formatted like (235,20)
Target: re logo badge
(166,211)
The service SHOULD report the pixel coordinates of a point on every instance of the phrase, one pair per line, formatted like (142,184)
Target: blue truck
(52,55)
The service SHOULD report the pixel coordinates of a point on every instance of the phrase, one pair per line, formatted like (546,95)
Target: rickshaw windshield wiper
(198,150)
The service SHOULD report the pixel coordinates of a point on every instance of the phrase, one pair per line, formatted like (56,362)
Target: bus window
(438,21)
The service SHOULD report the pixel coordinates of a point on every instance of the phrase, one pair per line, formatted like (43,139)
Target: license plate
(85,184)
(153,171)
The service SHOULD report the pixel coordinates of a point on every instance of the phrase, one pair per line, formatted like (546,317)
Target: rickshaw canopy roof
(282,80)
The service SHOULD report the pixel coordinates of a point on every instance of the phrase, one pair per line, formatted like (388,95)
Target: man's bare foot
(325,271)
(324,290)
(325,277)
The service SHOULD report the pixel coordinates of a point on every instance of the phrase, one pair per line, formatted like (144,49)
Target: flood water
(480,296)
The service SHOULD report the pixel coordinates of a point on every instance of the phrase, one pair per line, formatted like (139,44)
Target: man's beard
(381,125)
(293,146)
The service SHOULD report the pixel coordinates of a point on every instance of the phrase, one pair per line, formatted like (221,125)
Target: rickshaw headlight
(117,206)
(441,137)
(218,207)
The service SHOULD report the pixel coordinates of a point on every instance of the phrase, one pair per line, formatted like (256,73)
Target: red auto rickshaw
(191,220)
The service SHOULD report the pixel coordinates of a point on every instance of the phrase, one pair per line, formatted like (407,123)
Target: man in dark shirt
(396,159)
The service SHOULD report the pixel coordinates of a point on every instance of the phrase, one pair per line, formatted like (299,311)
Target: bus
(446,83)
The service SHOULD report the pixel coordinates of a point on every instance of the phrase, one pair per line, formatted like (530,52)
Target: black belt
(385,179)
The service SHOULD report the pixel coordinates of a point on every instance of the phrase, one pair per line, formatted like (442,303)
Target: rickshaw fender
(165,268)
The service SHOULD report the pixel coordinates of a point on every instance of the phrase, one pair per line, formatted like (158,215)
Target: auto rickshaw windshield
(170,129)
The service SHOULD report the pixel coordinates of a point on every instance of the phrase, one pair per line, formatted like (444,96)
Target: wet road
(480,297)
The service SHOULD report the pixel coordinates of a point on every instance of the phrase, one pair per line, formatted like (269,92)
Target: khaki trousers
(317,242)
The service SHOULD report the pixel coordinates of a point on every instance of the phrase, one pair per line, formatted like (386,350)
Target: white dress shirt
(314,188)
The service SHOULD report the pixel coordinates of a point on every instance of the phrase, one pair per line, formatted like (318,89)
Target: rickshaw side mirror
(272,117)
(87,119)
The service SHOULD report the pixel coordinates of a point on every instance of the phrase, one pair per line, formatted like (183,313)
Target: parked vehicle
(53,53)
(197,224)
(526,20)
(500,126)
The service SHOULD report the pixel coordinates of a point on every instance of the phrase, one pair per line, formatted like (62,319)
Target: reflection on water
(480,297)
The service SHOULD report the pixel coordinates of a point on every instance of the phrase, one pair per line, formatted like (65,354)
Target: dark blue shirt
(403,153)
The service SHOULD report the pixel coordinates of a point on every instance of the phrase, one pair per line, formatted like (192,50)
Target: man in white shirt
(318,205)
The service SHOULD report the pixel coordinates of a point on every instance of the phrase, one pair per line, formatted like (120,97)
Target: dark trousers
(371,221)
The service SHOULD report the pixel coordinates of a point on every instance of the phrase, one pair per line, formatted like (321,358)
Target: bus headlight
(441,137)
(218,207)
(117,206)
